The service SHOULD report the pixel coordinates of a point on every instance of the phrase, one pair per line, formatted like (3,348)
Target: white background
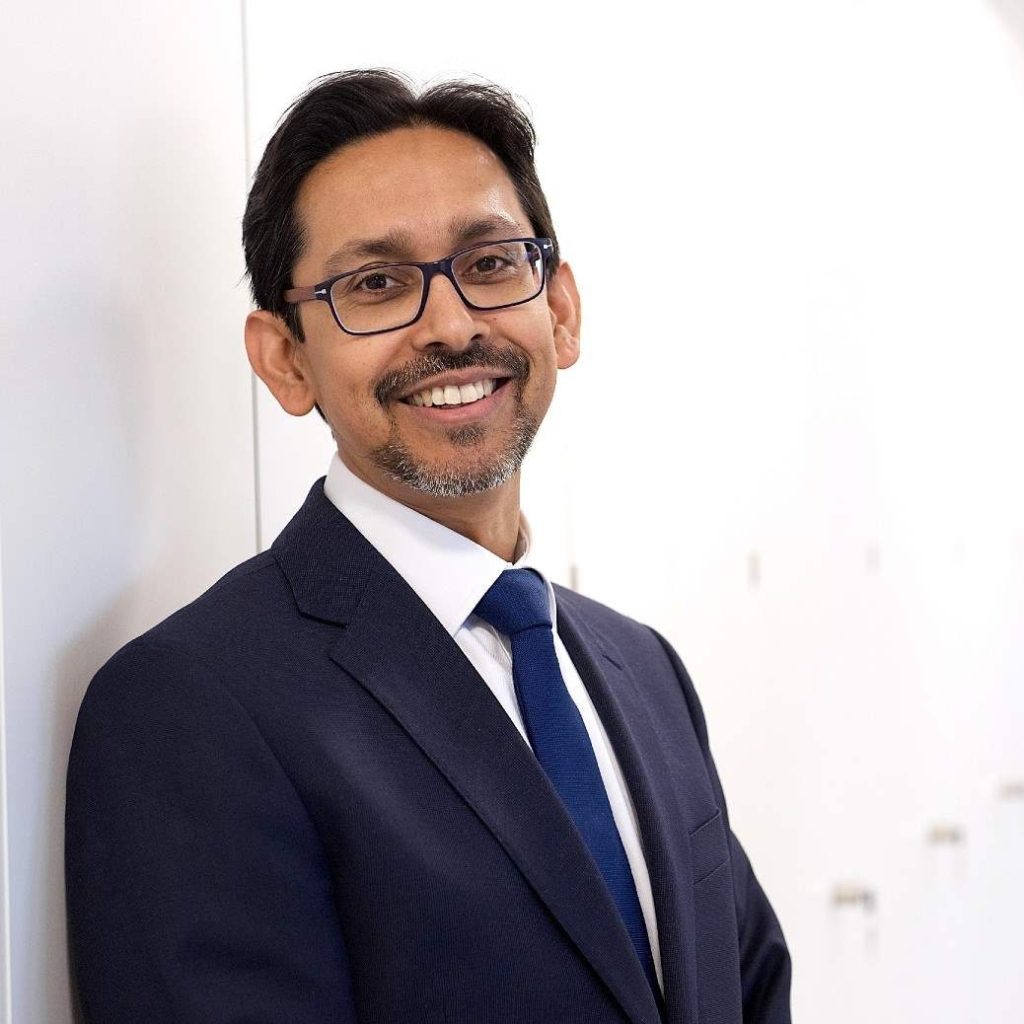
(792,442)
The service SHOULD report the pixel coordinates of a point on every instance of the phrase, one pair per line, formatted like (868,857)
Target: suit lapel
(655,789)
(394,647)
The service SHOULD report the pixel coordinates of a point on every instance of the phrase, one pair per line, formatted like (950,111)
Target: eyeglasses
(493,275)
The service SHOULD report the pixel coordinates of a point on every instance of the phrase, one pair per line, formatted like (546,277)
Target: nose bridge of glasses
(444,271)
(445,317)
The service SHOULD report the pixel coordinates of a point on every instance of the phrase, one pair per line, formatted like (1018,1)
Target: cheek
(530,331)
(345,373)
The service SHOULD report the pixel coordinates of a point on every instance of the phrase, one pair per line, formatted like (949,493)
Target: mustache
(431,364)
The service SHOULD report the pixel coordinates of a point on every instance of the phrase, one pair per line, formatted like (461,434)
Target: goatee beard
(456,480)
(463,477)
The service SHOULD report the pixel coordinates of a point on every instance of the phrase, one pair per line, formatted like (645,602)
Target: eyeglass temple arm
(293,295)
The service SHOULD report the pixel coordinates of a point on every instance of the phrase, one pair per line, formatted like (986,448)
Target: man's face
(422,189)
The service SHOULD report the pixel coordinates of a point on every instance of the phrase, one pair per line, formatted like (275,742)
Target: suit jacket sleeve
(764,959)
(197,888)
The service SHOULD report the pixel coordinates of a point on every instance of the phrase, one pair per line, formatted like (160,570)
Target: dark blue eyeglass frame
(323,290)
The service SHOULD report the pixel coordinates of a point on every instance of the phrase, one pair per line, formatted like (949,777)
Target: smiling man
(385,771)
(442,381)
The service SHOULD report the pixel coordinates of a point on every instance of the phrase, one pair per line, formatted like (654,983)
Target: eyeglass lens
(490,275)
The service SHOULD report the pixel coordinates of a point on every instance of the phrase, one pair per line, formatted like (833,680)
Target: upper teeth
(452,394)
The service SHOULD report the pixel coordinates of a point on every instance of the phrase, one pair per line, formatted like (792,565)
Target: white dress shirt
(450,574)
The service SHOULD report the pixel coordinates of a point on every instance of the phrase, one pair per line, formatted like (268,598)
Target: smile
(456,394)
(444,404)
(467,393)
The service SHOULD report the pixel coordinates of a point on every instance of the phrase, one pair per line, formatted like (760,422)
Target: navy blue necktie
(517,605)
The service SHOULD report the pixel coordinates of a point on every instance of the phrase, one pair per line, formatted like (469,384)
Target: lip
(456,378)
(462,413)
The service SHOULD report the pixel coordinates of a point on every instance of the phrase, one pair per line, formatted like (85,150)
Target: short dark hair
(338,109)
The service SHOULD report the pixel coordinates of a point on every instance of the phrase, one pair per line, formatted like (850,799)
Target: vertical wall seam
(253,380)
(5,886)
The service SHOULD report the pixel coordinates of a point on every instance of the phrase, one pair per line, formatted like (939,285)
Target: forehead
(415,190)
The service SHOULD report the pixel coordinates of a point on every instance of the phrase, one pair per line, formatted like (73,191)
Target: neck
(489,518)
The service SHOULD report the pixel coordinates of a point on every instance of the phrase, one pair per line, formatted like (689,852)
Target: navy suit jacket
(295,801)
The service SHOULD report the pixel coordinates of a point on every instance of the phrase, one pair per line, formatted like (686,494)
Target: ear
(564,306)
(279,361)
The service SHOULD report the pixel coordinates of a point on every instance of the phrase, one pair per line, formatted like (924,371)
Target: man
(384,771)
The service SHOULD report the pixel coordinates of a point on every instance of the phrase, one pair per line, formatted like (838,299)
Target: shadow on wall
(1011,12)
(121,471)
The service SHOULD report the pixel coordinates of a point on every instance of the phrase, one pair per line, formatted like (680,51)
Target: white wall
(814,426)
(806,416)
(126,477)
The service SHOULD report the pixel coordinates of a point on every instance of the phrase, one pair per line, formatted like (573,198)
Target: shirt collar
(448,572)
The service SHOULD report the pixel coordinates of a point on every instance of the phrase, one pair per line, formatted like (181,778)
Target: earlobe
(564,306)
(567,346)
(274,356)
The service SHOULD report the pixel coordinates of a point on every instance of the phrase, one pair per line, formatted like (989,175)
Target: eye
(377,283)
(492,263)
(489,263)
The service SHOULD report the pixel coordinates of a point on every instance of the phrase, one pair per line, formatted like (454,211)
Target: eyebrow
(397,245)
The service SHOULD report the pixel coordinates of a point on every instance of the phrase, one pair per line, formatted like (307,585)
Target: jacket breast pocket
(709,847)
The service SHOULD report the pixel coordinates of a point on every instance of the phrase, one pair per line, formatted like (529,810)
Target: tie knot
(517,600)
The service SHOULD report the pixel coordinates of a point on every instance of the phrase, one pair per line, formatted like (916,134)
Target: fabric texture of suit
(295,801)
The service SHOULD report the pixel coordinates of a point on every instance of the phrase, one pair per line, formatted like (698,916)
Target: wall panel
(126,476)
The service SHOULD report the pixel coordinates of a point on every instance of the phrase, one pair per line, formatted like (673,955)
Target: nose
(447,320)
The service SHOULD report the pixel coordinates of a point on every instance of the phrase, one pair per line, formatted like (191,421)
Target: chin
(454,481)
